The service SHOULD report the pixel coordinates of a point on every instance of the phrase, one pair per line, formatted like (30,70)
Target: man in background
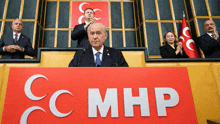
(210,42)
(80,31)
(16,46)
(97,54)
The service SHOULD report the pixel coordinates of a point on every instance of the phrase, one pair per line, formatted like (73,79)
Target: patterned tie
(213,36)
(15,38)
(98,62)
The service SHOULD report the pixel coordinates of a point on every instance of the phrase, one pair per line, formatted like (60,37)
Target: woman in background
(171,47)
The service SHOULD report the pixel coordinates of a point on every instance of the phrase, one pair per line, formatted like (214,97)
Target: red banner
(99,96)
(99,7)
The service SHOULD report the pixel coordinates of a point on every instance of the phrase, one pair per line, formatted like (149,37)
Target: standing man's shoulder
(202,39)
(79,33)
(24,37)
(118,57)
(79,26)
(113,50)
(75,62)
(202,36)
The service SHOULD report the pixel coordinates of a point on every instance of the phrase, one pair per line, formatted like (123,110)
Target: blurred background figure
(80,31)
(210,42)
(171,47)
(16,45)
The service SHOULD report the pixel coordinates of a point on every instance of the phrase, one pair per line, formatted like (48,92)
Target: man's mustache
(210,28)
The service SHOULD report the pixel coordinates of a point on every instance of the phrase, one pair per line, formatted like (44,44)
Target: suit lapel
(20,38)
(210,38)
(89,58)
(170,48)
(83,24)
(106,59)
(207,36)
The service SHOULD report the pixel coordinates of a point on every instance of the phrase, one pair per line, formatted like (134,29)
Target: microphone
(80,59)
(84,50)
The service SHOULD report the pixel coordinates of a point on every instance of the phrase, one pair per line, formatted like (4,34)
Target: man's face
(17,26)
(96,35)
(209,26)
(88,14)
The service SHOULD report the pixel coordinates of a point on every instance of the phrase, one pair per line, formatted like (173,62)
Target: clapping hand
(92,20)
(216,34)
(179,46)
(13,48)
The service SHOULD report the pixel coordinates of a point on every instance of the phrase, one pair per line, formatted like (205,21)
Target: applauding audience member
(171,47)
(210,41)
(80,31)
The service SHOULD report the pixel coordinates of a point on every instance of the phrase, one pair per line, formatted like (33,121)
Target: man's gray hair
(104,29)
(17,19)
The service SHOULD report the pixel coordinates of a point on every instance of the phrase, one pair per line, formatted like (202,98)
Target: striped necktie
(15,38)
(213,36)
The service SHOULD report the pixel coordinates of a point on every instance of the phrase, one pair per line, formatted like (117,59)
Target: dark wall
(140,18)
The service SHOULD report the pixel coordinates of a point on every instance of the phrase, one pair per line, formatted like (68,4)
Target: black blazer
(23,41)
(209,46)
(80,34)
(167,51)
(111,58)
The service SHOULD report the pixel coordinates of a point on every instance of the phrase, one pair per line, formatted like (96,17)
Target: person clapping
(171,47)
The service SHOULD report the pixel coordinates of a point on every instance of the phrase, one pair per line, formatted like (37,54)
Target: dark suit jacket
(167,51)
(80,34)
(111,57)
(209,46)
(23,41)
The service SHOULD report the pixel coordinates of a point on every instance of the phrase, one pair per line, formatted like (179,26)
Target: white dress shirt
(210,34)
(19,34)
(86,24)
(95,51)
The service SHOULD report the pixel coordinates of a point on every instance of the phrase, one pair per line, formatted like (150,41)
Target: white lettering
(161,103)
(110,100)
(142,100)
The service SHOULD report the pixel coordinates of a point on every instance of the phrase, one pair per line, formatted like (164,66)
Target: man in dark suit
(97,54)
(80,31)
(210,42)
(17,45)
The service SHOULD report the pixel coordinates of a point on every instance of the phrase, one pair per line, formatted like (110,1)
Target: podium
(99,95)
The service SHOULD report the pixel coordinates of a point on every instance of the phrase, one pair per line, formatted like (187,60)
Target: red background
(104,14)
(79,80)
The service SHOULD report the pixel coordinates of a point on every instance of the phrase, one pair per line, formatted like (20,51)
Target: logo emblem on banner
(100,8)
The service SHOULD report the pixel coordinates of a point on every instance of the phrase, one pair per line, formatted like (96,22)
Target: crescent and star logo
(101,9)
(52,102)
(81,10)
(190,40)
